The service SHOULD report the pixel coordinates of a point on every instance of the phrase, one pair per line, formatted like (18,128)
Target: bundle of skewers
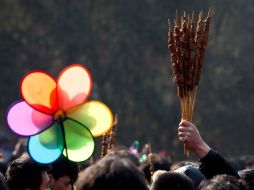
(109,139)
(187,42)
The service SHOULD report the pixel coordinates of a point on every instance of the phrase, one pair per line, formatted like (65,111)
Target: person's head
(124,153)
(3,167)
(25,174)
(2,182)
(237,163)
(248,161)
(63,173)
(193,173)
(112,173)
(223,182)
(157,163)
(171,180)
(180,164)
(248,176)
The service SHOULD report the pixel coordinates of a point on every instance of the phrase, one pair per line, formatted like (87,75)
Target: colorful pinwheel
(56,116)
(134,148)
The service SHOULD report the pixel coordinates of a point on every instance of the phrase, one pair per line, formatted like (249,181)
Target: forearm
(213,164)
(201,150)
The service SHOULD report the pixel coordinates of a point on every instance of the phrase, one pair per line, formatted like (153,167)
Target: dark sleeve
(213,164)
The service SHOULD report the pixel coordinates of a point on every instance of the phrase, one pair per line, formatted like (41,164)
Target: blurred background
(124,45)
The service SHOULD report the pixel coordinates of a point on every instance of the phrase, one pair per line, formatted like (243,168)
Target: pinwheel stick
(186,44)
(65,148)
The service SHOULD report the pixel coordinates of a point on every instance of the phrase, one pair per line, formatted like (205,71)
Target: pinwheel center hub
(59,115)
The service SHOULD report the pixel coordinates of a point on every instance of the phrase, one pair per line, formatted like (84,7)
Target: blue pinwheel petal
(47,146)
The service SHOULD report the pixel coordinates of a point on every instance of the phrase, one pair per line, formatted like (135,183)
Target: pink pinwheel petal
(74,86)
(25,121)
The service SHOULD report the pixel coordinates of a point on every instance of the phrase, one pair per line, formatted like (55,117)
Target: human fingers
(181,134)
(182,129)
(184,138)
(185,123)
(189,128)
(184,134)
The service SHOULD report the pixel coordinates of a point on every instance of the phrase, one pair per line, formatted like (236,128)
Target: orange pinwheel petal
(74,86)
(39,91)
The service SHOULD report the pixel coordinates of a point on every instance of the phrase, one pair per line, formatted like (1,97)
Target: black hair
(112,173)
(64,167)
(3,167)
(2,182)
(172,180)
(158,163)
(124,153)
(248,176)
(24,173)
(223,182)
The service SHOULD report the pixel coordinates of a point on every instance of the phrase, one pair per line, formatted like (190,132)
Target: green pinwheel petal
(52,137)
(79,141)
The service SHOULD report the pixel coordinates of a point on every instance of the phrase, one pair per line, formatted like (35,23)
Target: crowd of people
(120,169)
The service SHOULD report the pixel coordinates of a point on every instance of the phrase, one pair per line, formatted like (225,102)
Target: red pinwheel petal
(73,86)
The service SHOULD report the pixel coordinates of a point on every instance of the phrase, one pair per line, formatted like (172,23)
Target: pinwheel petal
(39,91)
(74,86)
(47,146)
(79,141)
(25,121)
(95,115)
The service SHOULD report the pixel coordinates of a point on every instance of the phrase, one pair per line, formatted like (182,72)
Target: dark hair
(124,153)
(223,182)
(64,167)
(24,173)
(248,176)
(158,163)
(112,173)
(2,182)
(3,167)
(172,180)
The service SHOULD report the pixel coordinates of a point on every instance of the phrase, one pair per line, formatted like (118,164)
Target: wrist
(202,150)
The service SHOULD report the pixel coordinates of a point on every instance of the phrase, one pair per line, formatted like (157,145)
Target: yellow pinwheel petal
(95,115)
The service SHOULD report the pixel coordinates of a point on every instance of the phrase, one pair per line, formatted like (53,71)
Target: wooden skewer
(186,44)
